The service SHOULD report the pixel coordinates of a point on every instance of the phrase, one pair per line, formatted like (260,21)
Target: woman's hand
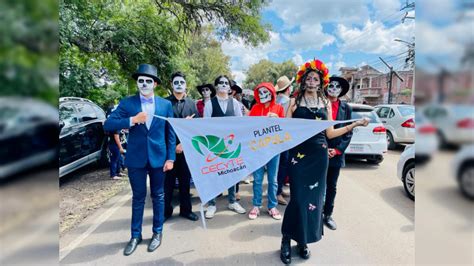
(270,114)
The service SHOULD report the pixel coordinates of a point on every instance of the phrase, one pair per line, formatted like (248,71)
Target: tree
(268,71)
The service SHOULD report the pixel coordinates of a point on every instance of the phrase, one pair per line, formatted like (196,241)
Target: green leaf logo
(218,147)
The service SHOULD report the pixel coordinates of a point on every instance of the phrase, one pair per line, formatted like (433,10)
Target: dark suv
(82,139)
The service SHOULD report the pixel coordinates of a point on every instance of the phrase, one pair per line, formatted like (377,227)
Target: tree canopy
(268,71)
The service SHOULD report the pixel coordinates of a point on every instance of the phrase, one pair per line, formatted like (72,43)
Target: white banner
(221,151)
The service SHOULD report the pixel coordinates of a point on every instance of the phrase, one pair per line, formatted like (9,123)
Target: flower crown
(317,65)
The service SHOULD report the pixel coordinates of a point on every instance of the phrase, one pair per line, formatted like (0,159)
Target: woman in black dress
(308,163)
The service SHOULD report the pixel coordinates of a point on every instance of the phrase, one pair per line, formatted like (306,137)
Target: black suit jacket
(342,142)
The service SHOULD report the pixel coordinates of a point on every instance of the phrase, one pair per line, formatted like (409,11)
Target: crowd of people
(312,167)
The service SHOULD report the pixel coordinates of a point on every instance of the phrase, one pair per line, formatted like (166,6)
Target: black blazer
(342,142)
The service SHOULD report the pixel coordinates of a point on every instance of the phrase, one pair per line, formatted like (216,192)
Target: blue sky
(339,32)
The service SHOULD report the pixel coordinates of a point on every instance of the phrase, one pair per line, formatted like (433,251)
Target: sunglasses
(334,86)
(178,82)
(148,81)
(223,83)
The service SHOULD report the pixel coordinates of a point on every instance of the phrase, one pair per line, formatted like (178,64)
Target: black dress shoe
(285,250)
(304,252)
(191,216)
(155,242)
(132,245)
(330,223)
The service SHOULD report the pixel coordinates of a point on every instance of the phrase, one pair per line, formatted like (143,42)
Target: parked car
(406,170)
(426,140)
(367,142)
(463,170)
(82,139)
(28,135)
(399,120)
(454,123)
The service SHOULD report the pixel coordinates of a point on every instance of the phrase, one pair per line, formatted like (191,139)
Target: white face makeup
(179,84)
(145,85)
(265,95)
(312,81)
(334,88)
(223,85)
(206,92)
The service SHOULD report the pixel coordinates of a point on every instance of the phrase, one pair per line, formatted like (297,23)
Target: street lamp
(408,43)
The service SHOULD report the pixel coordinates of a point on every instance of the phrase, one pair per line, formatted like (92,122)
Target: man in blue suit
(150,151)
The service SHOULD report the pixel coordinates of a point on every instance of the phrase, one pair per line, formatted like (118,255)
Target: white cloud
(298,59)
(386,9)
(442,41)
(239,77)
(375,38)
(304,12)
(309,38)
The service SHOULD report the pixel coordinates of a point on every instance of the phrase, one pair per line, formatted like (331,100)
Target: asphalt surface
(375,226)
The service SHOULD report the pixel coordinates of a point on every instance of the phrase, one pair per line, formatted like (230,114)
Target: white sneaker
(237,208)
(211,211)
(247,181)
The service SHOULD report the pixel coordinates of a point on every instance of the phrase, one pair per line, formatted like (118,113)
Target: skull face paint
(312,82)
(264,94)
(206,92)
(334,88)
(223,85)
(179,84)
(145,85)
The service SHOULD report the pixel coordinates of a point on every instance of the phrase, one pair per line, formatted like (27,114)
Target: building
(371,86)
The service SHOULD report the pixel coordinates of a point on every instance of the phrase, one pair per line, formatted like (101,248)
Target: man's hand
(331,153)
(179,148)
(168,166)
(140,118)
(122,151)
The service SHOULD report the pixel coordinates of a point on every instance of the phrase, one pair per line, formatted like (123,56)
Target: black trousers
(331,184)
(181,172)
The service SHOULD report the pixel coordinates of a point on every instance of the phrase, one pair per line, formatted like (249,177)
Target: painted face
(145,85)
(334,88)
(312,81)
(264,94)
(179,84)
(223,85)
(206,92)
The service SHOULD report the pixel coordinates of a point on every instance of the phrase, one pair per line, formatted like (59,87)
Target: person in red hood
(265,97)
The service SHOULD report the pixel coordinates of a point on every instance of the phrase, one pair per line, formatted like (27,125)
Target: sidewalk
(232,238)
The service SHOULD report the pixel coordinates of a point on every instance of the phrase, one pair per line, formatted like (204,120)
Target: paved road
(375,219)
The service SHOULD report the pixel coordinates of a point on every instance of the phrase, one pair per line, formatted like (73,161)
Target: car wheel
(466,181)
(375,161)
(409,180)
(104,160)
(391,145)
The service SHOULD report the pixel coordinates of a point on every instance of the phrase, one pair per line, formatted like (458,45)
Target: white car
(454,123)
(426,139)
(399,119)
(463,170)
(406,170)
(367,142)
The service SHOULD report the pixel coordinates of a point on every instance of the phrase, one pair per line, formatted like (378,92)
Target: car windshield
(406,110)
(361,113)
(7,113)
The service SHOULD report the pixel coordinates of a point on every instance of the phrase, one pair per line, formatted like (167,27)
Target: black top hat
(344,84)
(147,70)
(210,86)
(235,87)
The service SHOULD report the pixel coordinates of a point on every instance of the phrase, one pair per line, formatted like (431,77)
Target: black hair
(303,84)
(178,74)
(222,76)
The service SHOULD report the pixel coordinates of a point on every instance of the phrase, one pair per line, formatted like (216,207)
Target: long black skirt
(303,216)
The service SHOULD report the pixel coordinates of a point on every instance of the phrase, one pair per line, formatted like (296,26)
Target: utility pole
(390,74)
(408,7)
